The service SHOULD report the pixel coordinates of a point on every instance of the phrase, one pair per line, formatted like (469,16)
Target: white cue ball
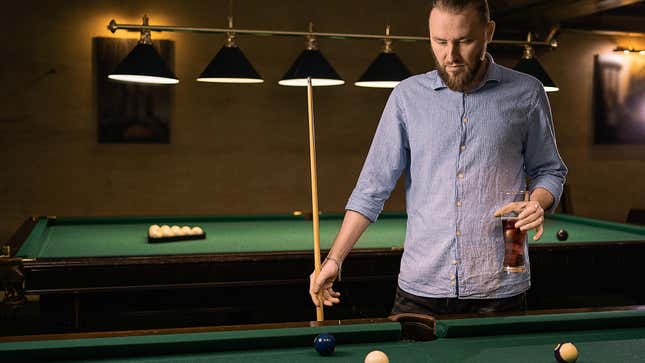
(196,230)
(186,230)
(376,356)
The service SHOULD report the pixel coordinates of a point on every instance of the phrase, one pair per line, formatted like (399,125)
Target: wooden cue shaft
(320,316)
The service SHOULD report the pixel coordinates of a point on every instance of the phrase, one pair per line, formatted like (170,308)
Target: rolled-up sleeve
(542,161)
(386,160)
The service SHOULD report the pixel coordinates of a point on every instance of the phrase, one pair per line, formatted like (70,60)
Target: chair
(636,216)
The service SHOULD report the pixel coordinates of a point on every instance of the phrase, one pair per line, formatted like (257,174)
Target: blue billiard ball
(325,344)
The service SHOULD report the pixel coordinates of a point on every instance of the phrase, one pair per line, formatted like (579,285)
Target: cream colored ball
(376,357)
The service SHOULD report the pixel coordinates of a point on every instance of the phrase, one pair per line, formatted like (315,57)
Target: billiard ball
(325,344)
(566,353)
(197,231)
(376,356)
(153,230)
(562,235)
(186,230)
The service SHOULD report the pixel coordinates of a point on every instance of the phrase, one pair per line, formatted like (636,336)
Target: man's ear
(490,30)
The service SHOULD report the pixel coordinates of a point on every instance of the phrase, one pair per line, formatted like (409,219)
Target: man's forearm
(354,224)
(544,197)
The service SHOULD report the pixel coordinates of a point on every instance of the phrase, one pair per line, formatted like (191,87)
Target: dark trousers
(408,303)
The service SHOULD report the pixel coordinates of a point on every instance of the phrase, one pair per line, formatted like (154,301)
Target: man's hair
(458,5)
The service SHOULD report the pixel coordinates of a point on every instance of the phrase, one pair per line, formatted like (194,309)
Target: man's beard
(461,81)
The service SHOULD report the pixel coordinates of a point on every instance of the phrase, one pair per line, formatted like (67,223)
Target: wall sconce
(629,50)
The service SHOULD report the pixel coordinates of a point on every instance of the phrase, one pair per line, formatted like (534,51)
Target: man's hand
(328,273)
(531,216)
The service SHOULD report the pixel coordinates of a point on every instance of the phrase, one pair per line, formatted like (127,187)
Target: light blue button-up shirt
(459,152)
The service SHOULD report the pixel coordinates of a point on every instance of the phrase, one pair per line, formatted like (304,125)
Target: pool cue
(320,315)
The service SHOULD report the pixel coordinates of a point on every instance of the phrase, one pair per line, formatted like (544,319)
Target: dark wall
(242,148)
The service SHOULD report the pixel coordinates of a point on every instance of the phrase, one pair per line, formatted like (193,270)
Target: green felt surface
(624,345)
(101,237)
(130,239)
(540,322)
(594,345)
(213,341)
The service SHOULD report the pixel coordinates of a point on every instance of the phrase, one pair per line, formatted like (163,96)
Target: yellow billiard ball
(566,353)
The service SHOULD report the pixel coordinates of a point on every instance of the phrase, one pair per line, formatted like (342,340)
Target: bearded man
(461,134)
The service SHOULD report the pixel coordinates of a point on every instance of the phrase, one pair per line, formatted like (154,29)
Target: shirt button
(460,175)
(458,203)
(458,233)
(454,262)
(452,277)
(462,147)
(452,283)
(465,119)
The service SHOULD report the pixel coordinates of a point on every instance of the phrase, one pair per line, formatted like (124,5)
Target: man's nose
(453,52)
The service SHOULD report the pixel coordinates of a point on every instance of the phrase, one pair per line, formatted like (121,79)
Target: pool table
(601,335)
(101,273)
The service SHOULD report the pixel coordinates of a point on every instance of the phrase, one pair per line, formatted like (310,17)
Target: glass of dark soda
(514,239)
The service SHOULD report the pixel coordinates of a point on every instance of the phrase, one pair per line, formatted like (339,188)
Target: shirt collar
(493,74)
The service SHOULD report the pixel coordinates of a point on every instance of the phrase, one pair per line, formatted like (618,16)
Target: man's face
(458,41)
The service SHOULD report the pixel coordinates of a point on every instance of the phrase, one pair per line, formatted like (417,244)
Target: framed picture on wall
(126,112)
(619,99)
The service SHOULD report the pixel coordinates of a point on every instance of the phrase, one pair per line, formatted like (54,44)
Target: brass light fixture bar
(384,72)
(113,26)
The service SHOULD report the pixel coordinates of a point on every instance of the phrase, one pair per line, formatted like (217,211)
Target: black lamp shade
(386,71)
(144,65)
(311,63)
(532,67)
(230,66)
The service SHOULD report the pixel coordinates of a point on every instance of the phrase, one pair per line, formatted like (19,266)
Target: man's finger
(505,209)
(531,208)
(313,289)
(314,286)
(314,297)
(534,224)
(329,297)
(539,232)
(511,207)
(531,218)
